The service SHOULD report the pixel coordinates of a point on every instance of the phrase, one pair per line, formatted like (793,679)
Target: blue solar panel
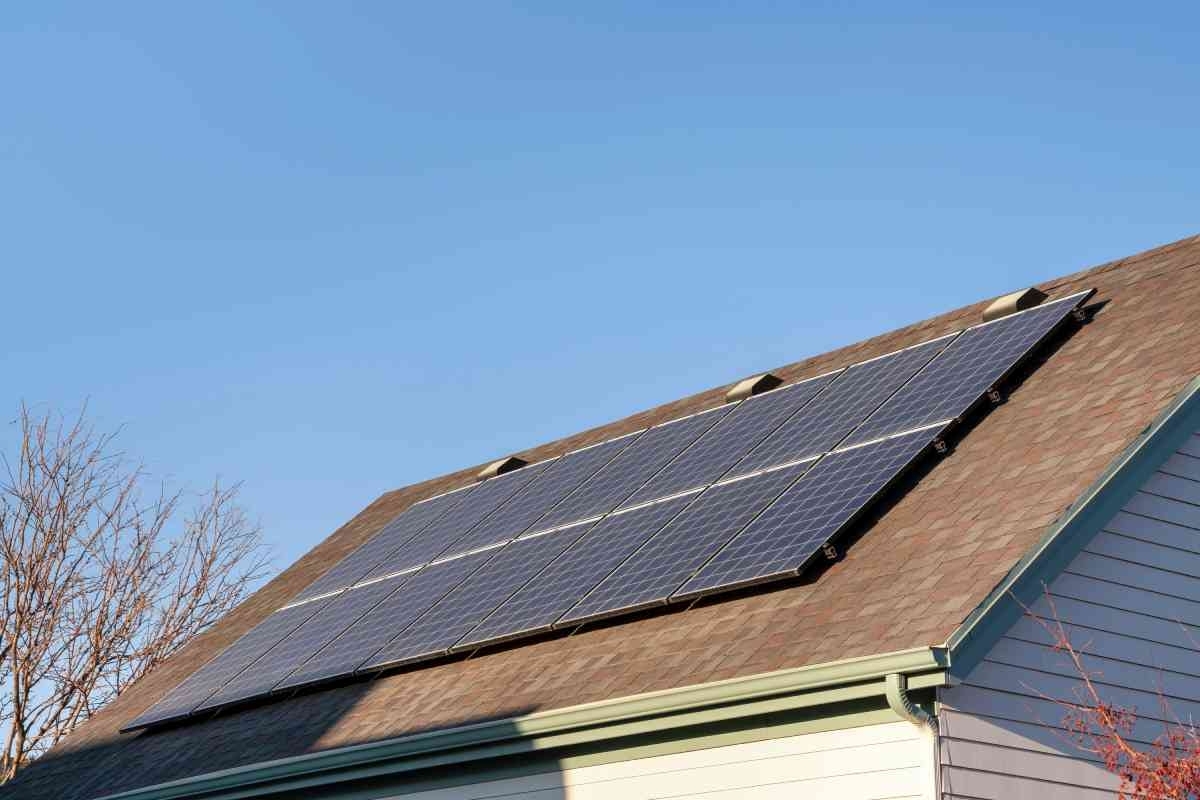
(464,608)
(387,619)
(198,686)
(561,477)
(304,642)
(678,534)
(673,555)
(725,443)
(442,535)
(797,525)
(955,380)
(396,533)
(574,573)
(631,468)
(819,426)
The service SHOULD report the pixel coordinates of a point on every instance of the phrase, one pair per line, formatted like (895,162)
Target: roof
(909,580)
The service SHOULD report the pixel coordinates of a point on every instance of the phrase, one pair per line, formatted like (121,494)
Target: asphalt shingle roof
(908,580)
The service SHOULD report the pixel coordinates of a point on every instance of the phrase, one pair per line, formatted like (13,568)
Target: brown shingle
(906,582)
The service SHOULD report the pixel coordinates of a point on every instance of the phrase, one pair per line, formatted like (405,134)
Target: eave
(675,712)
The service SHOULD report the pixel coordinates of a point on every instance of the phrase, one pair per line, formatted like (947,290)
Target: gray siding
(1131,601)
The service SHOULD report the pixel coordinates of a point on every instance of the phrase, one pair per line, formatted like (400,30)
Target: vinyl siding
(891,761)
(1130,599)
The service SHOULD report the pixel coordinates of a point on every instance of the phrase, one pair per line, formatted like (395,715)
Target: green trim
(1026,581)
(678,712)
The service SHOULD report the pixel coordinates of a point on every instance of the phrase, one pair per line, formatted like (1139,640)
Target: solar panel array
(734,496)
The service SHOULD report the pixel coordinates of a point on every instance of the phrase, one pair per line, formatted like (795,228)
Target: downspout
(899,701)
(896,691)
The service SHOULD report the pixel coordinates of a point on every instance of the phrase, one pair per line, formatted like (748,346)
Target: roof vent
(506,464)
(1012,303)
(755,384)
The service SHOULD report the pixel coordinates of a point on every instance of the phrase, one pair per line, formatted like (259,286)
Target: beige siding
(1131,599)
(892,761)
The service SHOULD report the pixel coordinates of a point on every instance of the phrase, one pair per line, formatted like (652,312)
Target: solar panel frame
(832,415)
(632,468)
(537,606)
(394,535)
(652,573)
(187,696)
(830,497)
(710,457)
(456,614)
(1016,337)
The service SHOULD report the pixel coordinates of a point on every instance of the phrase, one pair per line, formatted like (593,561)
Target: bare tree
(104,576)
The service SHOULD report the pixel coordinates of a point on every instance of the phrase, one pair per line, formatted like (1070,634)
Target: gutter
(743,700)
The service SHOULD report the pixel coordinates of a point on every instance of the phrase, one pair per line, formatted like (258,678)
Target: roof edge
(1074,528)
(681,708)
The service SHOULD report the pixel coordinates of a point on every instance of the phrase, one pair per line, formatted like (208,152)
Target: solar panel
(631,468)
(573,574)
(465,607)
(955,380)
(198,686)
(805,517)
(304,642)
(444,532)
(730,497)
(730,439)
(378,626)
(674,554)
(407,525)
(561,478)
(819,426)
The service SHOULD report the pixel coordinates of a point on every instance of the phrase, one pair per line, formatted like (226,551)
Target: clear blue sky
(334,249)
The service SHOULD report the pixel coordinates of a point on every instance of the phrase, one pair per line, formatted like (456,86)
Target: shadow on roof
(250,736)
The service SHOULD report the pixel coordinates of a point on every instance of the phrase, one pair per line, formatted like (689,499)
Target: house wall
(886,761)
(1131,600)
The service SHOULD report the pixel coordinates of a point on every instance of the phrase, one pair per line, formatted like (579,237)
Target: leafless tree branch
(102,579)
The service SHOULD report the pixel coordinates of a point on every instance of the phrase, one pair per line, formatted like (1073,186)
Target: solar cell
(464,608)
(805,517)
(726,442)
(198,686)
(628,471)
(560,479)
(304,642)
(386,620)
(569,577)
(389,539)
(444,532)
(673,555)
(819,426)
(955,380)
